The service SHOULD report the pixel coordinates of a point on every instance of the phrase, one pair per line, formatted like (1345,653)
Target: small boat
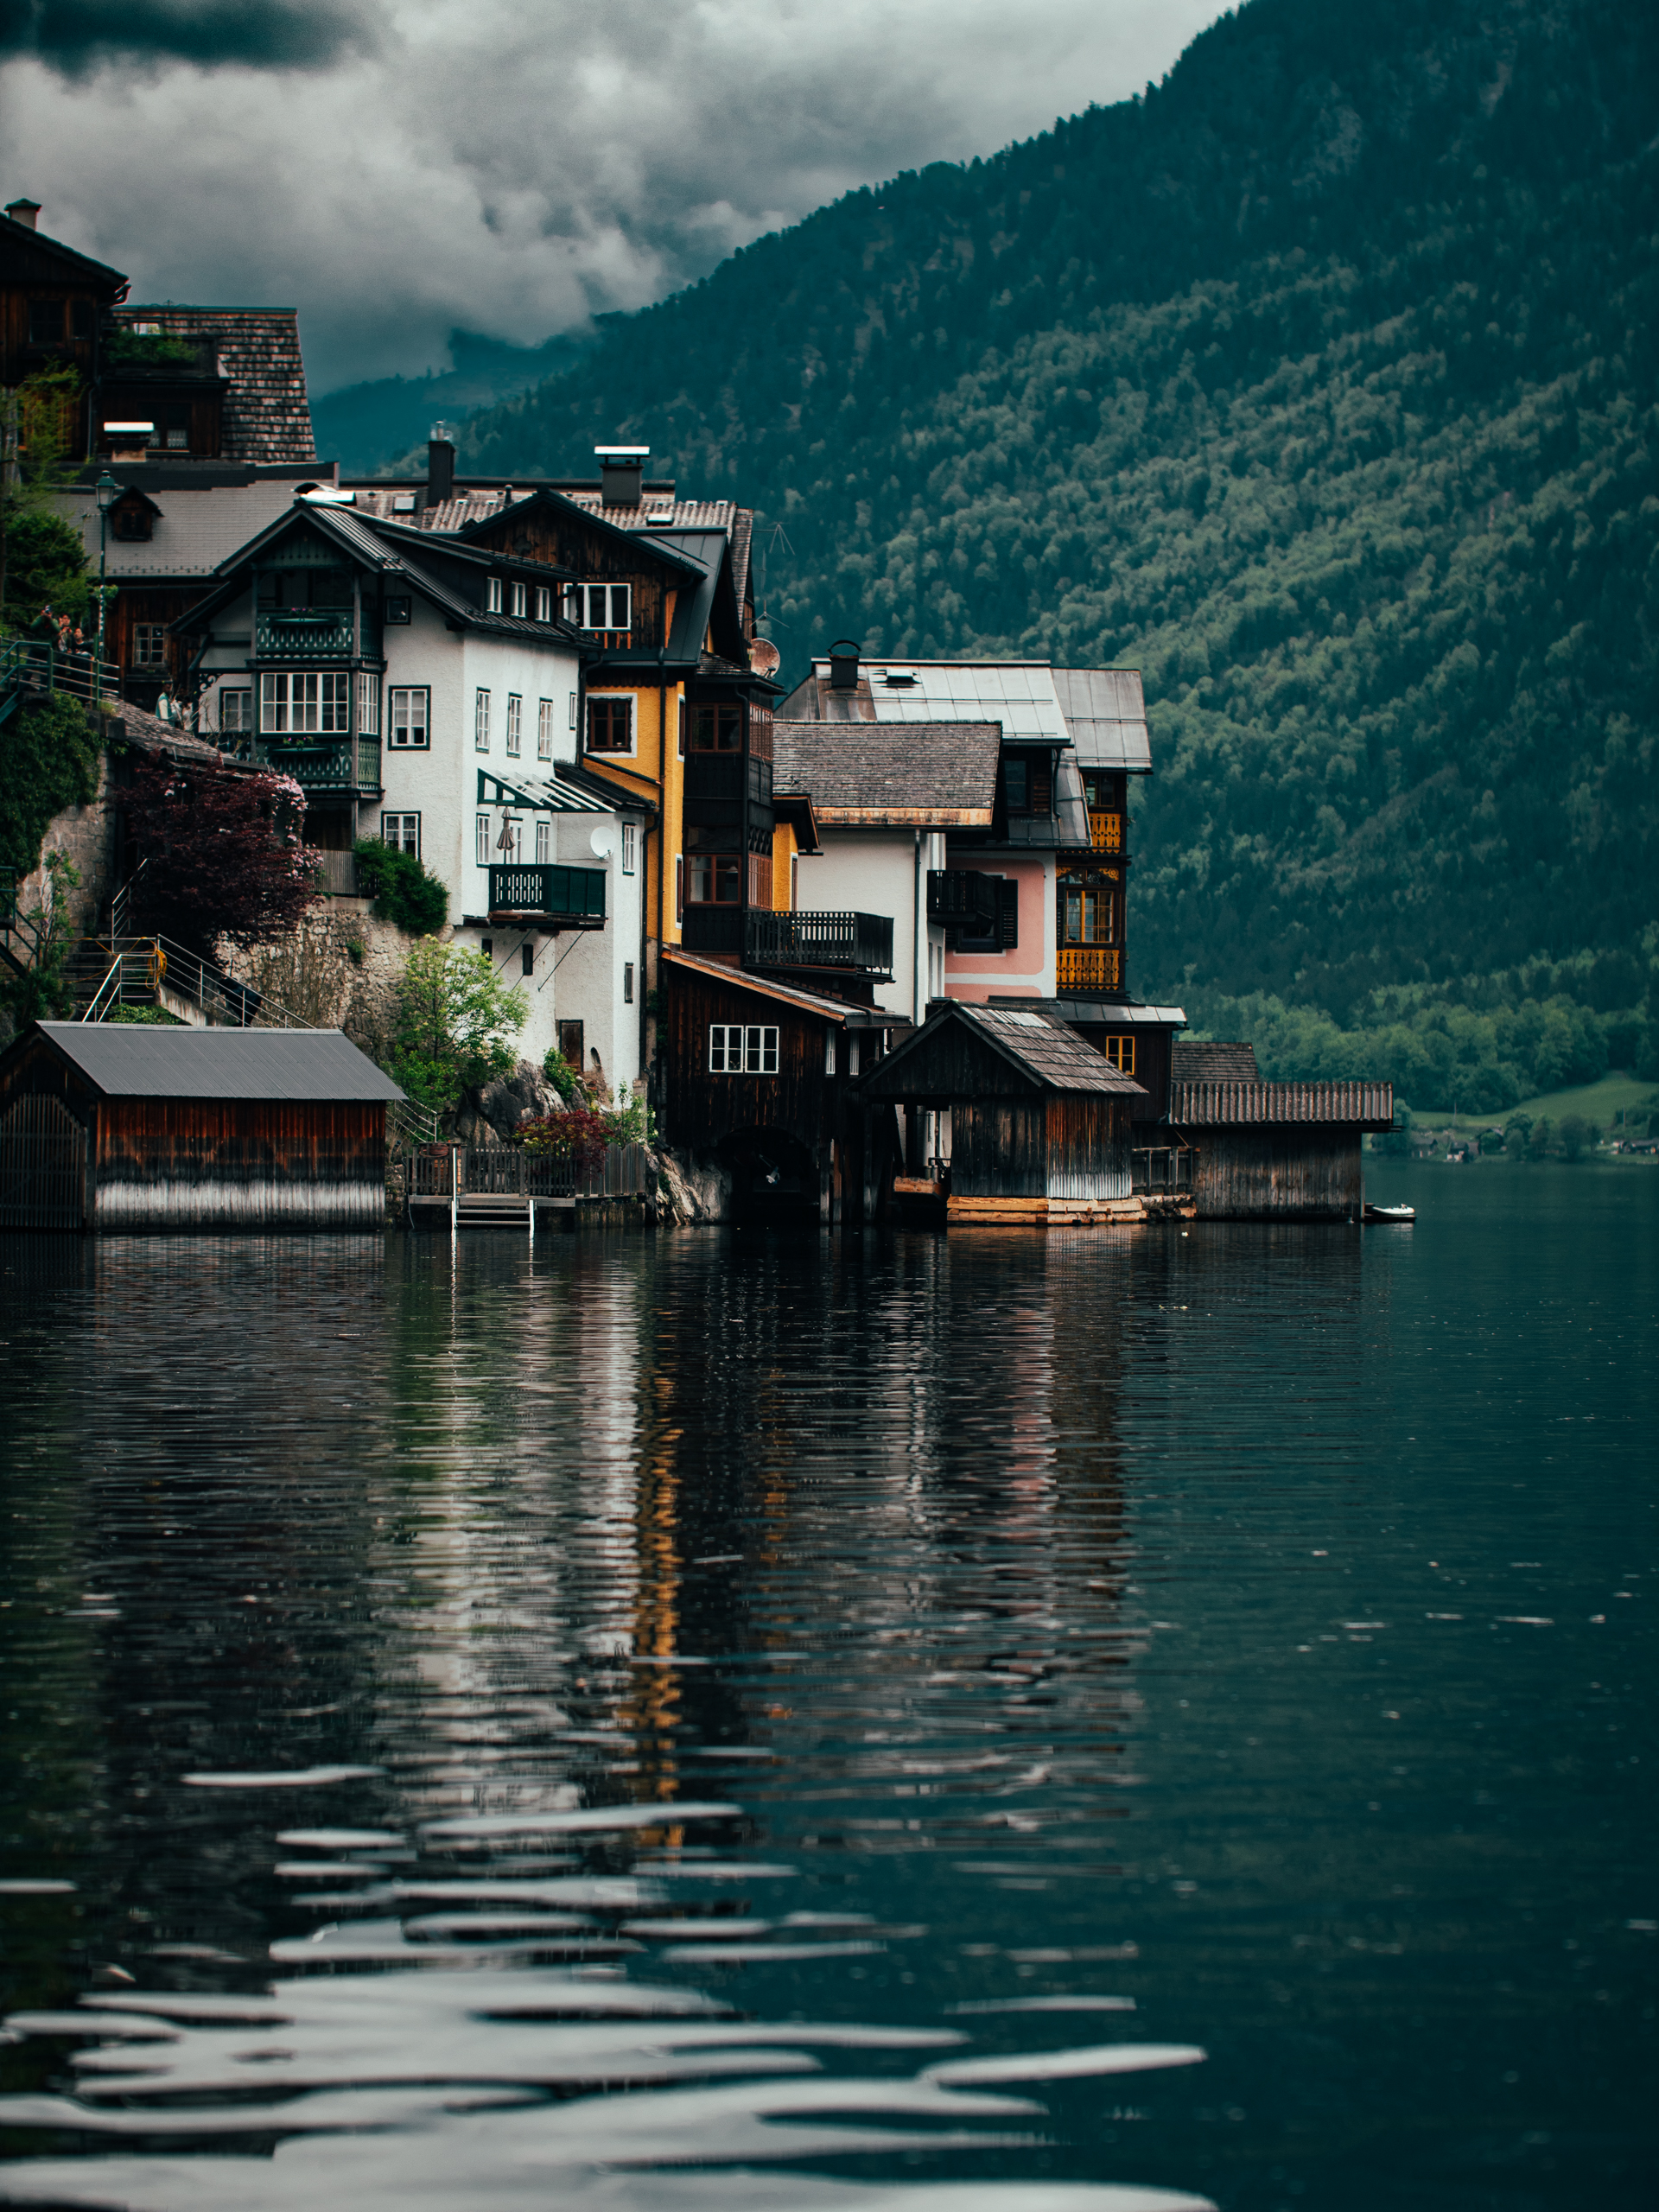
(1391,1213)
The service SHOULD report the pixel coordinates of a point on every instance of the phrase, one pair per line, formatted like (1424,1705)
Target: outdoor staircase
(493,1210)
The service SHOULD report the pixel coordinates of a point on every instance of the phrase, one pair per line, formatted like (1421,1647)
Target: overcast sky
(397,168)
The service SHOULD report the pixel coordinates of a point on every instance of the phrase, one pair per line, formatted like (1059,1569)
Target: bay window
(304,703)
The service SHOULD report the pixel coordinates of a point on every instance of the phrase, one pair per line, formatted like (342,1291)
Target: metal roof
(1019,694)
(550,794)
(1105,711)
(1226,1105)
(127,1060)
(1114,1014)
(860,775)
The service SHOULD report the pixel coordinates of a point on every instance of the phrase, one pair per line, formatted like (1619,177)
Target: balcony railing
(1089,968)
(860,943)
(303,637)
(1106,832)
(328,764)
(962,898)
(572,895)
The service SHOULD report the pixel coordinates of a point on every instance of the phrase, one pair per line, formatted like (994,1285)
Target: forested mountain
(1321,384)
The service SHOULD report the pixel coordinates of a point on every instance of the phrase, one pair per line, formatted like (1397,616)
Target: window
(410,710)
(481,831)
(515,724)
(718,729)
(1088,913)
(628,833)
(716,879)
(543,604)
(236,713)
(679,887)
(684,716)
(492,595)
(570,1044)
(301,705)
(368,704)
(760,880)
(627,983)
(995,932)
(829,1051)
(396,610)
(544,729)
(1120,1051)
(481,722)
(610,722)
(402,832)
(45,321)
(573,711)
(486,946)
(132,522)
(544,841)
(517,598)
(735,1049)
(176,436)
(527,956)
(149,644)
(81,319)
(603,606)
(1016,786)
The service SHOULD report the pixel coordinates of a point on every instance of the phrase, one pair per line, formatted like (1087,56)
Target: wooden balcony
(1106,832)
(549,895)
(325,764)
(323,636)
(1088,968)
(855,943)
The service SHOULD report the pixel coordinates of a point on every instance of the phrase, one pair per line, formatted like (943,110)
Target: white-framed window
(402,832)
(679,887)
(515,724)
(603,606)
(235,711)
(410,715)
(482,833)
(610,722)
(740,1049)
(543,604)
(544,841)
(304,703)
(368,704)
(516,599)
(544,729)
(829,1051)
(573,711)
(149,644)
(627,983)
(481,722)
(627,848)
(492,595)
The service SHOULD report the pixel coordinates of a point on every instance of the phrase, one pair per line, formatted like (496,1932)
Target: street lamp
(108,491)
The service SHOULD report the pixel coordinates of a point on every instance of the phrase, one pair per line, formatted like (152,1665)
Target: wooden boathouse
(1040,1123)
(117,1125)
(1270,1151)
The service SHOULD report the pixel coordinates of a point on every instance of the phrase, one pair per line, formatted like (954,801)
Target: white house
(425,692)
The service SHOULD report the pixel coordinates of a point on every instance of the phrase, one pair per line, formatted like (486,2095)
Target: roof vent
(843,664)
(621,469)
(25,211)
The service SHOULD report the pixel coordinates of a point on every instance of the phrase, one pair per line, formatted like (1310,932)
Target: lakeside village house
(866,938)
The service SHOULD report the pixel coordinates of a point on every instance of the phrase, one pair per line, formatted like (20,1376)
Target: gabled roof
(837,1010)
(125,1060)
(941,775)
(30,257)
(1047,1054)
(656,542)
(1100,711)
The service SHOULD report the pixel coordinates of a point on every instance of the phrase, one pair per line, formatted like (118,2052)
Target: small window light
(403,503)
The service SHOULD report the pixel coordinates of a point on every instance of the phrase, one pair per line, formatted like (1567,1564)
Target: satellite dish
(764,657)
(602,841)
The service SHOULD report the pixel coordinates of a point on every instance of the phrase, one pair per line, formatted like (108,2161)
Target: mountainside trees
(1321,384)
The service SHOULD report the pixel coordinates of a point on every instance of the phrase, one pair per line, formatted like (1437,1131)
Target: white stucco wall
(875,872)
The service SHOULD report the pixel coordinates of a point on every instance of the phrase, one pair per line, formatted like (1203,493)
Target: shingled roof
(1049,1056)
(872,775)
(267,414)
(1196,1061)
(1272,1105)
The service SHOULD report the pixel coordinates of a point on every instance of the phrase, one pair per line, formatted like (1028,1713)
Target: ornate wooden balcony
(1106,832)
(1089,968)
(323,636)
(856,944)
(325,764)
(548,892)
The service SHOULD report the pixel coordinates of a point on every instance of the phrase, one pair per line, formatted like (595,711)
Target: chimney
(440,465)
(24,212)
(621,468)
(843,664)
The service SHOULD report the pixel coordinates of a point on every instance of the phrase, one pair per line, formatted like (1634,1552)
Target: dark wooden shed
(761,1074)
(1273,1151)
(1040,1122)
(117,1126)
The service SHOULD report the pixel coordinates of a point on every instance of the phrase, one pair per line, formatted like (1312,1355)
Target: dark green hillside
(1322,383)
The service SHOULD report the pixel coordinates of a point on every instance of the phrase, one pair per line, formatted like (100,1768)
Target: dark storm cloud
(75,34)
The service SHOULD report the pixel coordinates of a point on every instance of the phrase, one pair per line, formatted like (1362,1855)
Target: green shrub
(48,761)
(403,890)
(565,1079)
(156,1017)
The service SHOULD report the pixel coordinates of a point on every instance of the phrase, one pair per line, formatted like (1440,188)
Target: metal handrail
(108,992)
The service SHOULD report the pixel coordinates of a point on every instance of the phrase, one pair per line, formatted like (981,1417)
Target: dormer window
(602,606)
(543,604)
(492,595)
(132,521)
(520,595)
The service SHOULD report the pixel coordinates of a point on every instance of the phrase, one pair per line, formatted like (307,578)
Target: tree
(40,553)
(1575,1133)
(222,851)
(403,890)
(455,1020)
(42,992)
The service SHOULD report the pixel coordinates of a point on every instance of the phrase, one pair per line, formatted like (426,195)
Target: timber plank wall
(1309,1173)
(1071,1145)
(184,1163)
(701,1109)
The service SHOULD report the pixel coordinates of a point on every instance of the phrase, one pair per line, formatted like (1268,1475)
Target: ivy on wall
(48,761)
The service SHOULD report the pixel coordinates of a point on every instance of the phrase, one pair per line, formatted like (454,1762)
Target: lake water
(713,1721)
